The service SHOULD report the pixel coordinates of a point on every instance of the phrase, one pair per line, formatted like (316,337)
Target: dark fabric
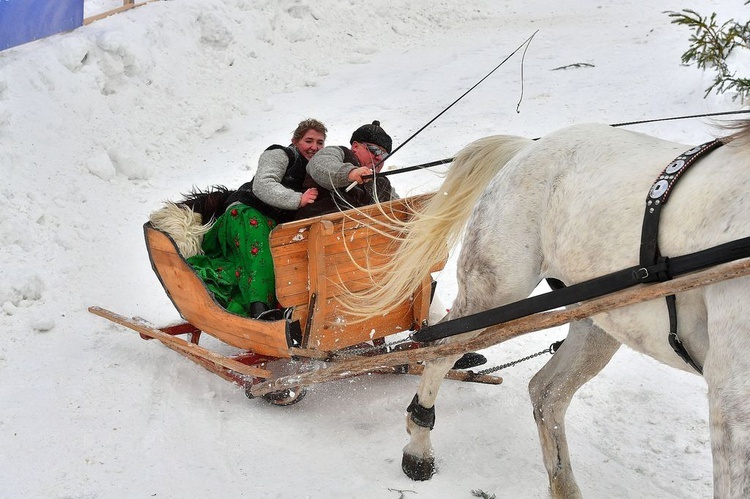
(372,134)
(237,266)
(339,200)
(210,204)
(296,170)
(293,179)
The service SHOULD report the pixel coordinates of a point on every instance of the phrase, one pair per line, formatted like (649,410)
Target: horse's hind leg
(585,352)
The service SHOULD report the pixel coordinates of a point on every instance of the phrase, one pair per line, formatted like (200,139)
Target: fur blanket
(183,225)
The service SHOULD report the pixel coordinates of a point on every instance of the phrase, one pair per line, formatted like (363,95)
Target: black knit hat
(372,134)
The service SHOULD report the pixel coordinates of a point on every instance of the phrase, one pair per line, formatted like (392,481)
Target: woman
(237,265)
(277,189)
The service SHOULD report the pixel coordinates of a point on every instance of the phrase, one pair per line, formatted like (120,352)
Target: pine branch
(711,44)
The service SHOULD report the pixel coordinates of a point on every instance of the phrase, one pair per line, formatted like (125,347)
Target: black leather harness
(653,267)
(650,254)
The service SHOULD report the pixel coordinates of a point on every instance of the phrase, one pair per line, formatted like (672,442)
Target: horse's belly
(644,327)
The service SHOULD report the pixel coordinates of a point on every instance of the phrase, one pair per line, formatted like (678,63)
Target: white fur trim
(183,225)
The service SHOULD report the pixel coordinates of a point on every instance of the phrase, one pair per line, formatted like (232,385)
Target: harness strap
(587,290)
(659,194)
(657,198)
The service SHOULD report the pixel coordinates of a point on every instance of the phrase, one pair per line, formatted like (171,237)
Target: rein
(587,290)
(616,125)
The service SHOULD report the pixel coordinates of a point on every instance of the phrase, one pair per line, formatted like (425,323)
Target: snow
(100,125)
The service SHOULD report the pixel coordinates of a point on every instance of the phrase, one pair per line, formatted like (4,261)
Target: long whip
(525,43)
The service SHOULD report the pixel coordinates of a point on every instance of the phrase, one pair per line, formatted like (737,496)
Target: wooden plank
(316,278)
(284,264)
(371,257)
(282,244)
(339,331)
(287,233)
(422,302)
(176,343)
(392,323)
(127,5)
(512,329)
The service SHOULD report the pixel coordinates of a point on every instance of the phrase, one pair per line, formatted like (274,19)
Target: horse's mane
(741,132)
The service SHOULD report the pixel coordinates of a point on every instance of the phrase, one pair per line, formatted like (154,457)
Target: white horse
(570,207)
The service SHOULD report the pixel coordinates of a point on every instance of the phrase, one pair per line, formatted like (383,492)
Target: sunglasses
(376,151)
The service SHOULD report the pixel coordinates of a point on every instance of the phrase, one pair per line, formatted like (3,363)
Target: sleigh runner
(314,259)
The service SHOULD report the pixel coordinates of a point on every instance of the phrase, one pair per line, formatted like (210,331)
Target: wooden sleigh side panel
(313,259)
(197,306)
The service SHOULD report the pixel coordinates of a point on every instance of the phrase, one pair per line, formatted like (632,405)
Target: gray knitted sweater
(328,169)
(267,185)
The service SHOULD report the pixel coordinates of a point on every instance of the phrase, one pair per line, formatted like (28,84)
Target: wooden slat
(127,5)
(337,335)
(282,263)
(292,232)
(316,277)
(512,329)
(179,344)
(281,243)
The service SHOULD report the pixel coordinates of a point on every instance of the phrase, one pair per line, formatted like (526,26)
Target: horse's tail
(435,227)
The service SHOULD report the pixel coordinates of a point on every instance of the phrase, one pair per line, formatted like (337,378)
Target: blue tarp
(22,21)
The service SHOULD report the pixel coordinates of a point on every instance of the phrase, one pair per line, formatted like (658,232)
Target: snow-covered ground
(100,125)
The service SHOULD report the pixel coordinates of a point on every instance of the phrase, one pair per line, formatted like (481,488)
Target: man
(334,169)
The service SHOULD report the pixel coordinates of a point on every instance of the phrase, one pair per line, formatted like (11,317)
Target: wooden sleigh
(310,267)
(313,260)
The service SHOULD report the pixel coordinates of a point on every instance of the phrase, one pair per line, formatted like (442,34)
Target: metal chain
(550,349)
(386,347)
(389,346)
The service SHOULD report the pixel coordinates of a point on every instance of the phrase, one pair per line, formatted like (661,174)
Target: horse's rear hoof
(418,469)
